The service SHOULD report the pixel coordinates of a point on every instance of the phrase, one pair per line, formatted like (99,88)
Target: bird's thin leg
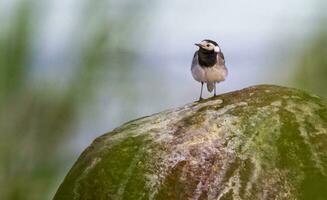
(201,91)
(215,94)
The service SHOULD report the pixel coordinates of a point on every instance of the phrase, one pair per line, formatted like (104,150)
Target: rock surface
(262,142)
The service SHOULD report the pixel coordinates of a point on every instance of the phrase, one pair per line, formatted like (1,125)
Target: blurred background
(72,70)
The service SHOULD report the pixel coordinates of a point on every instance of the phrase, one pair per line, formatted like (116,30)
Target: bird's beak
(197,44)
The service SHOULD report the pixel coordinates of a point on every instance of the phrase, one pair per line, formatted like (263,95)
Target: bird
(208,65)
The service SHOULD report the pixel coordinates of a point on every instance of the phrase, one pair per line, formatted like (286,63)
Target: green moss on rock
(262,142)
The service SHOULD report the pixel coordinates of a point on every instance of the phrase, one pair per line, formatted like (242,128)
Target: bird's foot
(200,99)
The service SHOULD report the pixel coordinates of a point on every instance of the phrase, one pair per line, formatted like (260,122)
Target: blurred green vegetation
(312,65)
(36,117)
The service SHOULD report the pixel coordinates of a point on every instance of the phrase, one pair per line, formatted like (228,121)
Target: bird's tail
(210,86)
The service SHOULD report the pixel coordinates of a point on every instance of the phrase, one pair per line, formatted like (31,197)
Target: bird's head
(208,45)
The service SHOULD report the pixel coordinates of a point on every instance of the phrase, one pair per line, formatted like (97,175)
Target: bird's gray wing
(195,53)
(220,58)
(195,59)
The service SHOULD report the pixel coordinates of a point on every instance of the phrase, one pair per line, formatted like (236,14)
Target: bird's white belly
(209,74)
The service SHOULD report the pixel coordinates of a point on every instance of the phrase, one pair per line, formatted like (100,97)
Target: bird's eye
(208,45)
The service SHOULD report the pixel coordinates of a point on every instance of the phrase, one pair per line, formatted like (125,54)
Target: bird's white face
(208,46)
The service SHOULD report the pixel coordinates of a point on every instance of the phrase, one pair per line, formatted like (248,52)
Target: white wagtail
(208,65)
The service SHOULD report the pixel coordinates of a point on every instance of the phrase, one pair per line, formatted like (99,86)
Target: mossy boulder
(262,142)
